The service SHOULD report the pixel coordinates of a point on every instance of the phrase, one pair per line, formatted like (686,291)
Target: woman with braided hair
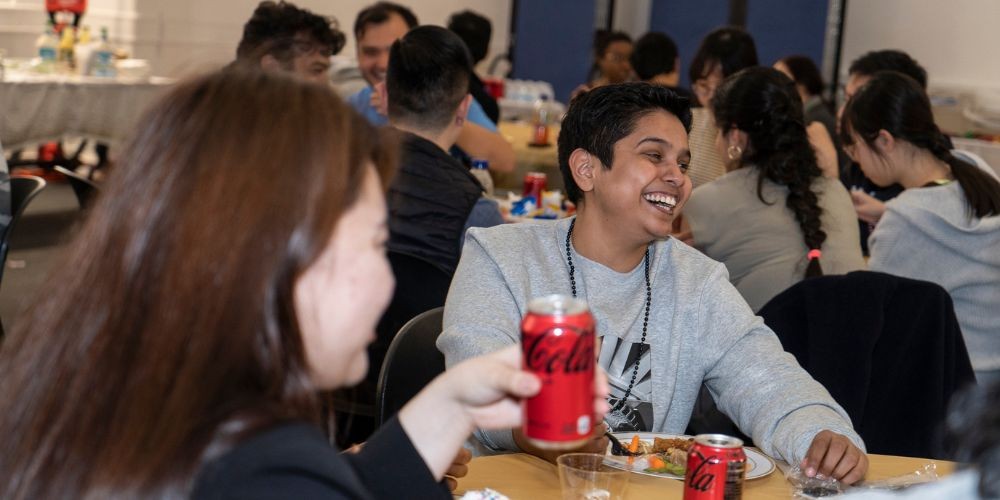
(945,226)
(772,219)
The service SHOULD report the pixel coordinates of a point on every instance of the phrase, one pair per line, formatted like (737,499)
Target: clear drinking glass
(584,476)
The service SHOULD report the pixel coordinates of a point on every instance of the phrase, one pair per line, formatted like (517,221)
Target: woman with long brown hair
(232,268)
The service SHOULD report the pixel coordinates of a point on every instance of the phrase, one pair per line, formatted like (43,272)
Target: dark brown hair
(282,30)
(168,333)
(380,12)
(763,103)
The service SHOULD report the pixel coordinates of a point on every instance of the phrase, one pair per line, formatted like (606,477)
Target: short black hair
(601,117)
(428,76)
(379,13)
(805,73)
(653,54)
(889,60)
(475,30)
(273,27)
(731,48)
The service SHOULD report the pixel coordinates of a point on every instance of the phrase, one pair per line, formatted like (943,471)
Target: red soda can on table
(558,345)
(534,184)
(716,468)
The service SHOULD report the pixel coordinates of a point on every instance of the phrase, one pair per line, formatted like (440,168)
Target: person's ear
(677,65)
(583,166)
(463,109)
(885,142)
(270,63)
(736,137)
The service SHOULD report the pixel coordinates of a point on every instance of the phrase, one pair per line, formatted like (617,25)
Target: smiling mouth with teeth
(662,200)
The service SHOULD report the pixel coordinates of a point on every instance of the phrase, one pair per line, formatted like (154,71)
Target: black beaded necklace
(645,319)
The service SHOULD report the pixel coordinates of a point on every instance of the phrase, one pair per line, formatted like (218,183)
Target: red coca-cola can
(716,468)
(558,342)
(534,184)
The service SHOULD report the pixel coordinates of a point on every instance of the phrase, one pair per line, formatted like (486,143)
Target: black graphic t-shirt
(618,358)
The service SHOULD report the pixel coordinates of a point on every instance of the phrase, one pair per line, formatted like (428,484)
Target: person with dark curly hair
(772,219)
(945,225)
(281,36)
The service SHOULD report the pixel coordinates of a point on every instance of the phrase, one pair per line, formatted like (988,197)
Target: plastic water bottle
(481,171)
(104,57)
(48,46)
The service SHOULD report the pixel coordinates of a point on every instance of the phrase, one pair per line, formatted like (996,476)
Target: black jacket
(888,349)
(295,461)
(430,200)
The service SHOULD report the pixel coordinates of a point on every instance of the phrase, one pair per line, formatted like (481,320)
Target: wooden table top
(529,158)
(522,476)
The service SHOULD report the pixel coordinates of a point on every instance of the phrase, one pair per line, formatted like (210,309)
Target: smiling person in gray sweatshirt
(667,317)
(945,226)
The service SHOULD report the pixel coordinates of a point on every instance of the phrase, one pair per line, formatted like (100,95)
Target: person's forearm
(480,143)
(436,426)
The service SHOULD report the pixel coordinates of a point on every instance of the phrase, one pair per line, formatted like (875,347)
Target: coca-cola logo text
(549,357)
(702,479)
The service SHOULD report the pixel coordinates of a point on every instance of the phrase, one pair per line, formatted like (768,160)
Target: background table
(529,158)
(521,476)
(37,108)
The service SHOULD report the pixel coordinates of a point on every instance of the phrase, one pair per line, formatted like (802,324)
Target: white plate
(758,464)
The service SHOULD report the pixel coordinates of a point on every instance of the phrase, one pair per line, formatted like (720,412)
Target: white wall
(632,17)
(184,36)
(956,41)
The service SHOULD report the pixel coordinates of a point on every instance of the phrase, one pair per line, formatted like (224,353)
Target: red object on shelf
(74,6)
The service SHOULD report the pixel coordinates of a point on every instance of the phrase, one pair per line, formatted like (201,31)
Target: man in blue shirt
(375,30)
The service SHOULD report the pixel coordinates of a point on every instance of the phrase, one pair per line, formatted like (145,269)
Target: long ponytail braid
(763,103)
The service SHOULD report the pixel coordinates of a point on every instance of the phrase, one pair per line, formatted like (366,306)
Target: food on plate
(664,455)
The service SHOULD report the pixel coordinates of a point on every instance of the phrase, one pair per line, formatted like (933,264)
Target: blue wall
(554,39)
(687,22)
(785,27)
(779,27)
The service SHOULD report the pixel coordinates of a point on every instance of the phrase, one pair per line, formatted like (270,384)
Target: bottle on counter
(481,171)
(104,64)
(540,121)
(84,35)
(48,46)
(64,55)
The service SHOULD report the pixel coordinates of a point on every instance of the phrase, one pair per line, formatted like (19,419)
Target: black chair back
(889,350)
(411,362)
(84,188)
(23,189)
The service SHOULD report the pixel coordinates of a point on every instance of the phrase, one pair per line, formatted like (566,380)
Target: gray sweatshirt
(700,329)
(927,234)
